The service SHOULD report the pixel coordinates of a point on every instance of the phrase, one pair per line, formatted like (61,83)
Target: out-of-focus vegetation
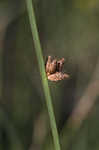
(69,29)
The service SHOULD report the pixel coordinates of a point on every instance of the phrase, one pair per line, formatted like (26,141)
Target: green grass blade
(40,59)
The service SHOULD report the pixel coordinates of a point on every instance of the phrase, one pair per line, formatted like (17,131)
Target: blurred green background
(69,29)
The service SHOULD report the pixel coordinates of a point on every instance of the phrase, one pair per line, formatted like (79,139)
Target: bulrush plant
(53,72)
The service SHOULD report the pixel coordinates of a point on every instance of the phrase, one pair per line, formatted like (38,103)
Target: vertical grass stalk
(40,59)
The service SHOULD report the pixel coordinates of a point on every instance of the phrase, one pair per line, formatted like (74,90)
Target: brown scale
(54,69)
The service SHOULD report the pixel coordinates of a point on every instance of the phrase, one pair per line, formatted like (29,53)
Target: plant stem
(40,59)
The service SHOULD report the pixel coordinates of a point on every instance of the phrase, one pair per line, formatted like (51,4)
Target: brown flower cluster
(54,69)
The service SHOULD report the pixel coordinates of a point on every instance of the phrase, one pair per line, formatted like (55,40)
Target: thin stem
(38,50)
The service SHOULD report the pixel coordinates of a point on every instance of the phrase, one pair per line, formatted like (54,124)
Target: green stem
(40,59)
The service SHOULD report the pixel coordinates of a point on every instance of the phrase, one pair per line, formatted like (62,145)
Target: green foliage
(69,29)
